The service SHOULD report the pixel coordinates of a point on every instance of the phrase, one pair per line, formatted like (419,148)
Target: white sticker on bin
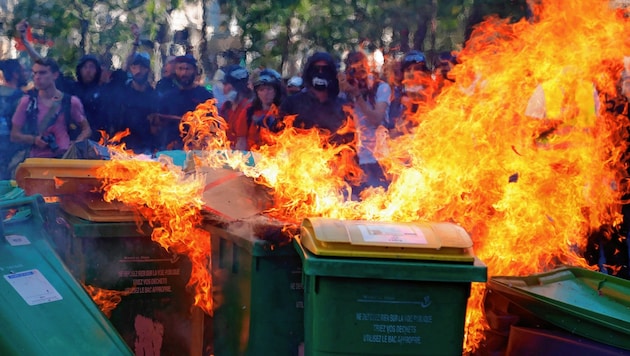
(394,234)
(17,240)
(33,287)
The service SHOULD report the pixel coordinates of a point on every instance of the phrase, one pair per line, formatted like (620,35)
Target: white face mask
(320,83)
(231,96)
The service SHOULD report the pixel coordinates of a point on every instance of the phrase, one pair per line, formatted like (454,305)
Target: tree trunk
(404,40)
(433,34)
(421,31)
(83,44)
(204,57)
(284,60)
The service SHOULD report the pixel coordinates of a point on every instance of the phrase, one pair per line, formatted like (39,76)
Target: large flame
(473,157)
(170,201)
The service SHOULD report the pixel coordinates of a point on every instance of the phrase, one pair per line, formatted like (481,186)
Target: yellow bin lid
(400,240)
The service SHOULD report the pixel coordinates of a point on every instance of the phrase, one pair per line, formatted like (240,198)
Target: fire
(473,157)
(9,214)
(58,182)
(169,200)
(106,300)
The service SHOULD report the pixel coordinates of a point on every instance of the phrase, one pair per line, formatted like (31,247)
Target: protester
(89,90)
(167,82)
(394,75)
(371,98)
(233,111)
(40,120)
(261,115)
(418,83)
(319,105)
(442,70)
(22,27)
(10,94)
(176,102)
(133,103)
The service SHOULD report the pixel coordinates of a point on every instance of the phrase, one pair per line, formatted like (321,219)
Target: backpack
(32,111)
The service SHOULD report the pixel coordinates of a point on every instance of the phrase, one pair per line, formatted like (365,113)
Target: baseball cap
(187,58)
(142,58)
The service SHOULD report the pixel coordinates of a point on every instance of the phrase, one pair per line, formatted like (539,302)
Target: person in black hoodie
(88,89)
(319,104)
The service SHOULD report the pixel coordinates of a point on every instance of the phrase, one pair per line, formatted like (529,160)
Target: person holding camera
(371,99)
(41,121)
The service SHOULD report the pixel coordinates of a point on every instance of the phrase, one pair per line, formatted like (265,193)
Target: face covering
(322,79)
(320,83)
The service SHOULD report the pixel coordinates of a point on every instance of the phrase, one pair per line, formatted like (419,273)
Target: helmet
(413,57)
(268,77)
(237,76)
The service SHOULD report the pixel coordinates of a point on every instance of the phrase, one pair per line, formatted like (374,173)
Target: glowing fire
(473,157)
(170,201)
(106,300)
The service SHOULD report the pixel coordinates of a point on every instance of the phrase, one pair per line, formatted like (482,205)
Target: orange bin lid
(54,177)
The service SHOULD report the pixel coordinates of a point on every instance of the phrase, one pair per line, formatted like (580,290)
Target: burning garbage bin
(44,310)
(560,308)
(155,314)
(258,293)
(374,288)
(104,248)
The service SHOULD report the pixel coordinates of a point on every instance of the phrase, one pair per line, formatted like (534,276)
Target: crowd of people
(347,100)
(99,103)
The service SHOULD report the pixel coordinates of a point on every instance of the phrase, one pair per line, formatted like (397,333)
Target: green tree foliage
(275,33)
(77,27)
(278,33)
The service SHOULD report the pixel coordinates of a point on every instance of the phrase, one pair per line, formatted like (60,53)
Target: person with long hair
(262,114)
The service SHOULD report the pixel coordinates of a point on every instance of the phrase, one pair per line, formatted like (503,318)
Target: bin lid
(92,207)
(584,302)
(44,309)
(400,240)
(54,177)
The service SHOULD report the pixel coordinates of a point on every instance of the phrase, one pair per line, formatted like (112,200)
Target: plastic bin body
(259,295)
(44,310)
(384,306)
(530,341)
(156,315)
(590,304)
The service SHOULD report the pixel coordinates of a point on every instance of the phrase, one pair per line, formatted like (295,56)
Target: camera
(51,141)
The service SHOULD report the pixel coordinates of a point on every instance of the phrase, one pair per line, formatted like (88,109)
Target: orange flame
(473,157)
(106,300)
(58,182)
(170,201)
